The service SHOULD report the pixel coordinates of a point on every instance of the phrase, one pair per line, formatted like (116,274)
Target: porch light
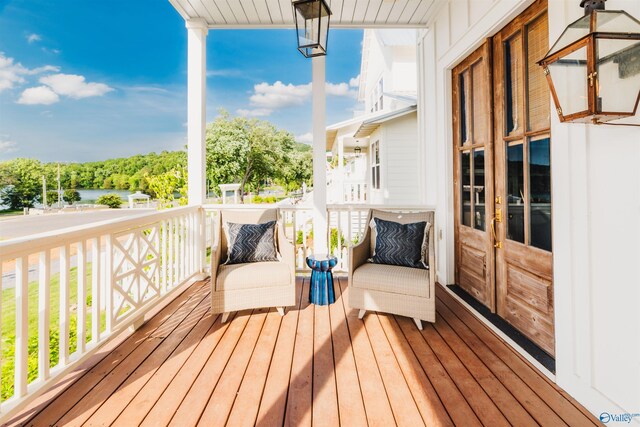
(593,70)
(312,26)
(357,150)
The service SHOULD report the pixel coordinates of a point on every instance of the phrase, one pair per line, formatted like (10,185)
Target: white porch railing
(67,292)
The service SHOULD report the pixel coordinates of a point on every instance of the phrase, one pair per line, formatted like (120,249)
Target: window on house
(375,165)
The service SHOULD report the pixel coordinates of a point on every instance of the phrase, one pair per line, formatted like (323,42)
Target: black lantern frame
(587,45)
(315,16)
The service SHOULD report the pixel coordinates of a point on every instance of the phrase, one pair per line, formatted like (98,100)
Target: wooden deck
(316,365)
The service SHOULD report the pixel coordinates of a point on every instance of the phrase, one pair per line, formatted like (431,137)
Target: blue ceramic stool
(321,291)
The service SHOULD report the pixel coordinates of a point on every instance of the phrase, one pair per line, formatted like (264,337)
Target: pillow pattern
(399,244)
(251,242)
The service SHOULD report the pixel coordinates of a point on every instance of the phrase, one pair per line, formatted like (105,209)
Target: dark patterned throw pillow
(399,244)
(251,242)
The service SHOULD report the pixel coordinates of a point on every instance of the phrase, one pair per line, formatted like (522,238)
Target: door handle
(497,218)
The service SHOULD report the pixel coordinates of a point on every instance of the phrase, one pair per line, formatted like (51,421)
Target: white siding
(401,163)
(596,206)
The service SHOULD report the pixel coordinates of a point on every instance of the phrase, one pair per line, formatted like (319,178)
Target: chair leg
(225,317)
(361,314)
(418,323)
(280,310)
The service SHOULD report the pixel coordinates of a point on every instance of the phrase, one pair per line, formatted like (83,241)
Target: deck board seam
(344,309)
(554,387)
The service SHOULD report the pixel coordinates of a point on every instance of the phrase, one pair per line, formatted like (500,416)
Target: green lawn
(9,326)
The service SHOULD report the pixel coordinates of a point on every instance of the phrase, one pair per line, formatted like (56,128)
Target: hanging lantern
(312,26)
(357,151)
(593,70)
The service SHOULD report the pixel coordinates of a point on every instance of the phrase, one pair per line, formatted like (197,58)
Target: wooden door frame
(485,51)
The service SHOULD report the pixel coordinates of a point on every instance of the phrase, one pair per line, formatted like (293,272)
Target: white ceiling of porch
(279,14)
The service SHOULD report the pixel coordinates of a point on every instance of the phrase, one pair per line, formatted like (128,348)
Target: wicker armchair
(254,285)
(390,288)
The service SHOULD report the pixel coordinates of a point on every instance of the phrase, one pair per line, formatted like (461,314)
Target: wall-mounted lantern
(312,26)
(593,70)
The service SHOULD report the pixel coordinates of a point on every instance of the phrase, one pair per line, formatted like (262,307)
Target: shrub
(71,196)
(112,200)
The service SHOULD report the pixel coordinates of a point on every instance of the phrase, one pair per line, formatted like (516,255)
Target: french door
(517,259)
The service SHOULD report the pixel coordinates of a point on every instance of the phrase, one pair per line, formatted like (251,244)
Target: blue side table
(321,291)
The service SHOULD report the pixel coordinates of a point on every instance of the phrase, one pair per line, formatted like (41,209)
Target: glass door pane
(515,192)
(479,189)
(465,183)
(540,193)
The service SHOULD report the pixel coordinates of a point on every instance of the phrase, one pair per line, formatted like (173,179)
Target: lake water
(91,195)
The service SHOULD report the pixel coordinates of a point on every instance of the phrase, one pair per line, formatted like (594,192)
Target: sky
(85,80)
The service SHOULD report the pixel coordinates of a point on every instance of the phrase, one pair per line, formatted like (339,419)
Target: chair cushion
(251,242)
(399,244)
(253,275)
(393,279)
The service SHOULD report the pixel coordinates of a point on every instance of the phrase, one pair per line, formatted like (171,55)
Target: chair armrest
(358,254)
(287,248)
(216,252)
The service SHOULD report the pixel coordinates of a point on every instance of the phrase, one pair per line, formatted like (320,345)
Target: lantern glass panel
(312,23)
(572,33)
(569,75)
(618,67)
(616,21)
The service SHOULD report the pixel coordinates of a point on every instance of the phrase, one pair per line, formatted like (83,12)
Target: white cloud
(256,112)
(40,95)
(229,72)
(305,138)
(74,86)
(7,146)
(12,73)
(269,97)
(355,81)
(32,38)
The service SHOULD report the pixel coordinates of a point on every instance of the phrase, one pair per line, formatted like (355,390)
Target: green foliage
(20,183)
(71,196)
(163,186)
(52,197)
(112,200)
(334,234)
(251,152)
(259,199)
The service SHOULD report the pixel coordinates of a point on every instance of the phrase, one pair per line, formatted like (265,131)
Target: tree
(21,183)
(163,186)
(246,151)
(112,200)
(71,196)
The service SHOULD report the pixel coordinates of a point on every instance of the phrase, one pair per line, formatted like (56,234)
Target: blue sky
(90,80)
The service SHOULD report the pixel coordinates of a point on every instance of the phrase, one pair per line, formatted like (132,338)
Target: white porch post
(341,168)
(196,108)
(319,156)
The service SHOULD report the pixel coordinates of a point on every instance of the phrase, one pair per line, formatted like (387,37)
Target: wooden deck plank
(108,351)
(513,385)
(485,409)
(115,404)
(274,397)
(140,406)
(84,396)
(167,405)
(245,407)
(325,396)
(191,407)
(350,403)
(376,402)
(556,398)
(299,409)
(452,399)
(429,404)
(404,408)
(316,365)
(221,401)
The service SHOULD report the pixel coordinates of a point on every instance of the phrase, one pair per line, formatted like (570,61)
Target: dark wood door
(473,175)
(502,176)
(524,277)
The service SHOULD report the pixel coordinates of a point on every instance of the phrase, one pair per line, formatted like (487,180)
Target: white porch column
(341,168)
(319,156)
(196,109)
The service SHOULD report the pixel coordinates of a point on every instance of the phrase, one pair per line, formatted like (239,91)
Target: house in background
(377,154)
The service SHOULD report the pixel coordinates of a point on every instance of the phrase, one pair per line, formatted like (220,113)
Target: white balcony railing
(67,292)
